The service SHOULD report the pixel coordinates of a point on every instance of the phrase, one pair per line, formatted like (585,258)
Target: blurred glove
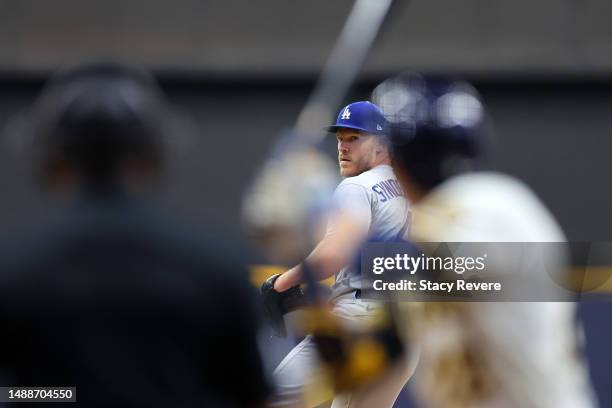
(277,304)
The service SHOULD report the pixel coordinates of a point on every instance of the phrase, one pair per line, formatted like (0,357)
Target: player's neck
(381,160)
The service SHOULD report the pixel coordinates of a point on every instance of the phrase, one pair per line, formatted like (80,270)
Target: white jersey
(374,199)
(524,352)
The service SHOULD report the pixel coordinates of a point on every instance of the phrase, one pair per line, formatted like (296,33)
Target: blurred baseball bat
(286,204)
(343,65)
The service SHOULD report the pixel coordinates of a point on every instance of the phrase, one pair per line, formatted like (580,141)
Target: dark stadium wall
(553,135)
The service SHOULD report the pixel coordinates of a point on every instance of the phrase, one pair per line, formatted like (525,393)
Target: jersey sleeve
(352,200)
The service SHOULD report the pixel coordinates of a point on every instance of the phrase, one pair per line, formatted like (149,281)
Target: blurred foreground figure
(109,294)
(477,354)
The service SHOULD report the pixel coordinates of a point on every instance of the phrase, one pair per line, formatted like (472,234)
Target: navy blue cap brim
(335,128)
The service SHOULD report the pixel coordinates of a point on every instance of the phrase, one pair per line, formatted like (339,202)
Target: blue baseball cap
(363,116)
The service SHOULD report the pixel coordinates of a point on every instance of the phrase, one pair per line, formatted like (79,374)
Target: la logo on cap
(346,114)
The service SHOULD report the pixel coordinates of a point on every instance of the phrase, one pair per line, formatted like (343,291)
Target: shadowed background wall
(555,135)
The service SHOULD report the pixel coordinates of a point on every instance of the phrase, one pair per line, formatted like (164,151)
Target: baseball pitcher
(367,203)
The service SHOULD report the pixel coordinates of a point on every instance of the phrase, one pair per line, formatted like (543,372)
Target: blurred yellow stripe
(259,273)
(591,279)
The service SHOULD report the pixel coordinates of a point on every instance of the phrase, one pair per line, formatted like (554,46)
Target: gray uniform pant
(300,367)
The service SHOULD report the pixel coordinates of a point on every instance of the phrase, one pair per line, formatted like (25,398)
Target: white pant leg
(384,392)
(299,367)
(297,371)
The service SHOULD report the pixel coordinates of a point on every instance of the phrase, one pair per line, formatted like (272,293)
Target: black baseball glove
(277,304)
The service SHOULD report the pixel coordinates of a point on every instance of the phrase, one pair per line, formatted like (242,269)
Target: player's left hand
(277,304)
